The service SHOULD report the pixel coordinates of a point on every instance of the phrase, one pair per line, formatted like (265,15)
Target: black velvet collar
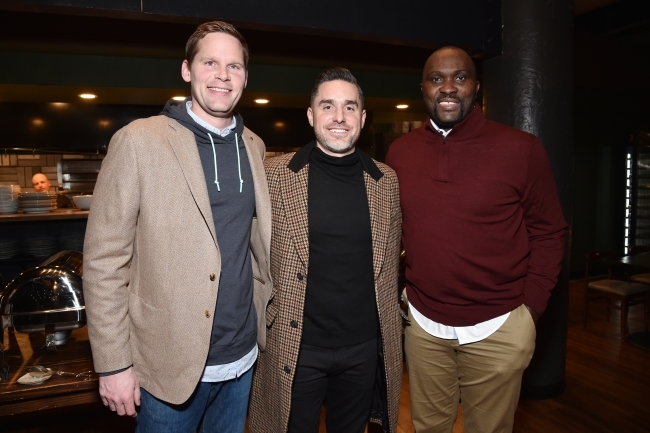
(301,158)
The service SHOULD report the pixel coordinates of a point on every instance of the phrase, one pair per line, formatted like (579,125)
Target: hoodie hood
(177,110)
(208,141)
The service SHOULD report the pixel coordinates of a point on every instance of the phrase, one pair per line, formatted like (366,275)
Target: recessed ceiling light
(87,96)
(401,106)
(178,98)
(262,101)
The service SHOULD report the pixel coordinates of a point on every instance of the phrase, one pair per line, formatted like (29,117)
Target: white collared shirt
(444,132)
(225,131)
(464,334)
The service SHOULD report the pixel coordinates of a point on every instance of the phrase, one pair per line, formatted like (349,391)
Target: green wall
(57,69)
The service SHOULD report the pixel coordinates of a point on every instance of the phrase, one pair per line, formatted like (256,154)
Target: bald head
(40,182)
(449,86)
(445,55)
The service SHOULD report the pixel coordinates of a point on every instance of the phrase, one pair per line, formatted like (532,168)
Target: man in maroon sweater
(484,237)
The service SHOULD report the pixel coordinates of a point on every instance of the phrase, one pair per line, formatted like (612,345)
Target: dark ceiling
(600,34)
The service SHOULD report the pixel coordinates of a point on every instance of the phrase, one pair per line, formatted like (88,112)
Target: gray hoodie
(232,198)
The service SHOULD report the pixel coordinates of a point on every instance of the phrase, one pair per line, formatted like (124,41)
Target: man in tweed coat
(157,259)
(333,323)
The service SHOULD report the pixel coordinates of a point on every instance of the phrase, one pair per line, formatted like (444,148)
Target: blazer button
(299,276)
(294,324)
(287,369)
(207,314)
(212,277)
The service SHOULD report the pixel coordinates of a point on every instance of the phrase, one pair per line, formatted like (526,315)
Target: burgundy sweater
(482,225)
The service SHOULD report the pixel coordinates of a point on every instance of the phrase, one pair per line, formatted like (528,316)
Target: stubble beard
(325,142)
(442,124)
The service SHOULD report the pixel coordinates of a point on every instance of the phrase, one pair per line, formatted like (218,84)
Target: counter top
(24,350)
(58,214)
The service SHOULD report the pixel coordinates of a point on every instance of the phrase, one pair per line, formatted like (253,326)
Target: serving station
(23,351)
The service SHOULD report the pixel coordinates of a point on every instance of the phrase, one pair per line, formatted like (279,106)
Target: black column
(530,86)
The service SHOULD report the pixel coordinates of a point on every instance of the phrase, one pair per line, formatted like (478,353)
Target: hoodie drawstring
(216,175)
(214,153)
(241,181)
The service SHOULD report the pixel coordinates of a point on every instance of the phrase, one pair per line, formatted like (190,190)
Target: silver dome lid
(47,298)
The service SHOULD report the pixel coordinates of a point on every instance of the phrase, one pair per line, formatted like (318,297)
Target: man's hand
(533,314)
(121,392)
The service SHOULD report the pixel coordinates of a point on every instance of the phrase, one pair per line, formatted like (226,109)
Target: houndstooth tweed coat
(272,383)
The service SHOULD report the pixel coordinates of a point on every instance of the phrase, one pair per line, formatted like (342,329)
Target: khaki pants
(485,375)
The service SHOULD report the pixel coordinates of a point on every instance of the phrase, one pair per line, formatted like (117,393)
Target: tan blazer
(151,258)
(273,378)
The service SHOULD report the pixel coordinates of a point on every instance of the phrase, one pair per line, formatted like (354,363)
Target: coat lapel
(294,197)
(262,200)
(184,147)
(379,204)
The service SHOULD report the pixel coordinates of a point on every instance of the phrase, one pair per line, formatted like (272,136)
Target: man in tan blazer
(333,323)
(176,256)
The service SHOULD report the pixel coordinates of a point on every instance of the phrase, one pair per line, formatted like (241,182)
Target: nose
(339,115)
(222,73)
(448,87)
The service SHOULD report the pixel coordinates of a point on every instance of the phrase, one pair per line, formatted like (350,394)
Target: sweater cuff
(536,298)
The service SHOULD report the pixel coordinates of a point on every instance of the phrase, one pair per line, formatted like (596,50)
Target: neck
(217,122)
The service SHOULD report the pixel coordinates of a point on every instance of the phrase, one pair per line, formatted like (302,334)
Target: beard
(465,108)
(337,149)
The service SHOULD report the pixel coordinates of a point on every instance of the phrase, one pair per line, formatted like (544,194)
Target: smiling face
(40,182)
(337,117)
(217,76)
(449,86)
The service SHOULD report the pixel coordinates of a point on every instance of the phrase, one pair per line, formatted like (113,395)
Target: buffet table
(25,350)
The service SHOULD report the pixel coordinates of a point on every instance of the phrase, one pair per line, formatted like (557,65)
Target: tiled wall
(19,169)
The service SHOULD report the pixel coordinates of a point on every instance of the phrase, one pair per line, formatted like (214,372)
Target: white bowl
(82,201)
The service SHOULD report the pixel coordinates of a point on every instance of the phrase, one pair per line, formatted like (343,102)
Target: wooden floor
(608,388)
(607,381)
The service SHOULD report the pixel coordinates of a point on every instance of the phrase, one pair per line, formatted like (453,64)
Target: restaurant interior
(128,54)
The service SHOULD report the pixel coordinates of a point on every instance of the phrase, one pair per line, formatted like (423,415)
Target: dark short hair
(213,27)
(334,74)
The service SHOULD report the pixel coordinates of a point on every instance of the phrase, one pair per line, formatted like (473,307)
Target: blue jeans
(214,407)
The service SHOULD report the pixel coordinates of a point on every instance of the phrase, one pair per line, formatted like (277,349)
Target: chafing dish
(47,298)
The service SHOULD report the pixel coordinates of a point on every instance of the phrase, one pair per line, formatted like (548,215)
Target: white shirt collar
(440,130)
(225,131)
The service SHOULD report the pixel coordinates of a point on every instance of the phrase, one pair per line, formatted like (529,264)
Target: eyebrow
(204,58)
(346,102)
(455,72)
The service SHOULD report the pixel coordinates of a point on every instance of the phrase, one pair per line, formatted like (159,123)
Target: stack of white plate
(9,195)
(42,246)
(72,241)
(37,202)
(9,248)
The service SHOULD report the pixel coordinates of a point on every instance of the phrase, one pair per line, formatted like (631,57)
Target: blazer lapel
(294,197)
(183,144)
(379,204)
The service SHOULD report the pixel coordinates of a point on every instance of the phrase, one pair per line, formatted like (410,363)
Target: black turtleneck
(340,307)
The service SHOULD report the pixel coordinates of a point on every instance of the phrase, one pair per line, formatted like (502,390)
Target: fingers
(136,395)
(121,392)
